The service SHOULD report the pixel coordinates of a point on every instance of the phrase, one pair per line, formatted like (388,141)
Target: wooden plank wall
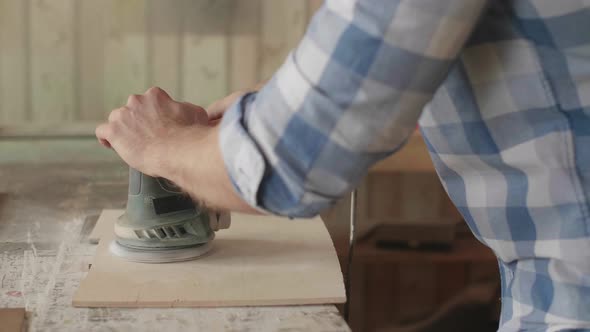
(72,61)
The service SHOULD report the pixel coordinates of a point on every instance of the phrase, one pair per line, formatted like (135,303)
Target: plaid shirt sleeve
(349,95)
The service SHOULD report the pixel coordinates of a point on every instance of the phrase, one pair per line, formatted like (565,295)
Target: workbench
(46,212)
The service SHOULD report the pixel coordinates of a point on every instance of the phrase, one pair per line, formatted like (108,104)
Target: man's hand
(162,137)
(147,127)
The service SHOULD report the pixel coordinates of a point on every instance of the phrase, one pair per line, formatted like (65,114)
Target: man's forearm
(194,162)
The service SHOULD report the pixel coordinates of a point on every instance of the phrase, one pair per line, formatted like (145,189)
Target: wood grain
(40,130)
(205,50)
(11,319)
(165,46)
(244,44)
(14,66)
(283,24)
(74,61)
(52,60)
(90,51)
(257,261)
(125,51)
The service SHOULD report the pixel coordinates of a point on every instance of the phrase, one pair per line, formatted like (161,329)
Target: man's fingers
(134,100)
(199,114)
(103,133)
(157,93)
(116,114)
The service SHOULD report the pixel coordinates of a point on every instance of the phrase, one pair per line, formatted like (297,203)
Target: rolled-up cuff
(243,160)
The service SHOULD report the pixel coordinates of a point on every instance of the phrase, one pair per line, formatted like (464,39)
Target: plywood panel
(90,37)
(125,51)
(244,44)
(52,60)
(104,225)
(205,46)
(283,24)
(164,45)
(11,319)
(75,60)
(14,65)
(257,261)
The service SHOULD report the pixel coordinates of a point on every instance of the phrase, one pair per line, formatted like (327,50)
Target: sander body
(162,224)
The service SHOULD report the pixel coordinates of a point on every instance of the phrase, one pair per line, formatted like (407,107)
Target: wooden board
(104,225)
(11,319)
(257,261)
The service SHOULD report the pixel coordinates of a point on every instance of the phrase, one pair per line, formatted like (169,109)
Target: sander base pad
(158,256)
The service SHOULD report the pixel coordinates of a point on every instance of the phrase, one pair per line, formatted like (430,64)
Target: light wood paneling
(125,51)
(165,46)
(205,50)
(52,60)
(73,61)
(283,24)
(90,37)
(244,44)
(14,18)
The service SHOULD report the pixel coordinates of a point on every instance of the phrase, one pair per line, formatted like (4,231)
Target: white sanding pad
(159,256)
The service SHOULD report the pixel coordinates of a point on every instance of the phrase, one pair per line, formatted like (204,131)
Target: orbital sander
(162,224)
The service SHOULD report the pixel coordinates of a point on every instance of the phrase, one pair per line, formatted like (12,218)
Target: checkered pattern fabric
(501,90)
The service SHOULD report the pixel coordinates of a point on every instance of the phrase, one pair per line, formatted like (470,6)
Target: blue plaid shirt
(501,90)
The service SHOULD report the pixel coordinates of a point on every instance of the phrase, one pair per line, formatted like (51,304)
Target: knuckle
(113,129)
(100,131)
(175,108)
(116,115)
(104,130)
(157,93)
(133,100)
(113,116)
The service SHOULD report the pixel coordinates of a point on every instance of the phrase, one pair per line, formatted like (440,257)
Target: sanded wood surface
(104,225)
(257,261)
(11,319)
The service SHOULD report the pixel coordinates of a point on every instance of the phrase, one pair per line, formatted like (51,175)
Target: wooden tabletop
(46,212)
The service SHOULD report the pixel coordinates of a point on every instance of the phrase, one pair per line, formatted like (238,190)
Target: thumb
(199,113)
(103,133)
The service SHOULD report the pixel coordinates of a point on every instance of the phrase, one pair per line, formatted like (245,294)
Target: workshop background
(64,64)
